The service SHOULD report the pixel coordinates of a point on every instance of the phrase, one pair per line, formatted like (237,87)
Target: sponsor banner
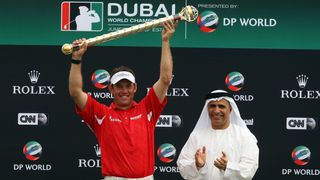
(91,162)
(301,123)
(33,88)
(176,92)
(235,82)
(32,119)
(301,92)
(32,151)
(166,154)
(301,156)
(166,169)
(249,121)
(220,23)
(169,121)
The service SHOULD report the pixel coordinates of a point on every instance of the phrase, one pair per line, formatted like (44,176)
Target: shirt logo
(114,119)
(99,120)
(136,117)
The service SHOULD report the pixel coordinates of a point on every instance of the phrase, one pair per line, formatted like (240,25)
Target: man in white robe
(220,146)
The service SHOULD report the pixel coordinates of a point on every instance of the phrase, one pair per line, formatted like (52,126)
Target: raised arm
(166,64)
(75,76)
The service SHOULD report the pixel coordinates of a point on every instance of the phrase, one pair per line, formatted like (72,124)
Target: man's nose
(216,109)
(124,90)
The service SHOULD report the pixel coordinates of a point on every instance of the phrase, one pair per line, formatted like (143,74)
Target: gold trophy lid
(67,49)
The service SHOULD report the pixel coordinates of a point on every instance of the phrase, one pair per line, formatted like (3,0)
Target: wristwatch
(75,61)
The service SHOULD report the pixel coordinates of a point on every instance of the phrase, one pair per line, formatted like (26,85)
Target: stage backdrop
(271,47)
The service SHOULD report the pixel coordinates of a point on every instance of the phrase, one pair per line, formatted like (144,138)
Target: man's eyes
(219,106)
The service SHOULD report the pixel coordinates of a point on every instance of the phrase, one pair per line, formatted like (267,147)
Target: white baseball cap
(122,75)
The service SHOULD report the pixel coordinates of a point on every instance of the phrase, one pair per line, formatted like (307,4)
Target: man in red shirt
(125,129)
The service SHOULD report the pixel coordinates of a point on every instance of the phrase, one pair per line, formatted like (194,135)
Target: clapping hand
(200,157)
(221,162)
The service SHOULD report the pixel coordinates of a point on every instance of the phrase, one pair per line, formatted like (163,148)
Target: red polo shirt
(126,137)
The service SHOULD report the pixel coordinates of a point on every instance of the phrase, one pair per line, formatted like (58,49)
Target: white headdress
(204,120)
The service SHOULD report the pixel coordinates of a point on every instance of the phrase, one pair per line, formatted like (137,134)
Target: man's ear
(110,87)
(135,87)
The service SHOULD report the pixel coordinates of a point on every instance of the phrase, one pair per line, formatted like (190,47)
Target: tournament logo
(166,152)
(301,155)
(100,78)
(234,81)
(81,16)
(207,21)
(32,150)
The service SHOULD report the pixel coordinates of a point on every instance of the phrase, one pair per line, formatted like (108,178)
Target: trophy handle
(188,13)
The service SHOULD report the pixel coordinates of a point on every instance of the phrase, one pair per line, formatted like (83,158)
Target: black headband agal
(218,95)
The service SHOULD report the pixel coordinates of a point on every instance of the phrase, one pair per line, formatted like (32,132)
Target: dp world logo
(100,78)
(81,16)
(166,152)
(32,150)
(301,155)
(234,81)
(207,21)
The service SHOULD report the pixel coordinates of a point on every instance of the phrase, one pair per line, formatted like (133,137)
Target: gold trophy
(188,13)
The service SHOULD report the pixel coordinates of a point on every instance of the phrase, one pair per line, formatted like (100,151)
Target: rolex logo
(302,80)
(34,76)
(97,150)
